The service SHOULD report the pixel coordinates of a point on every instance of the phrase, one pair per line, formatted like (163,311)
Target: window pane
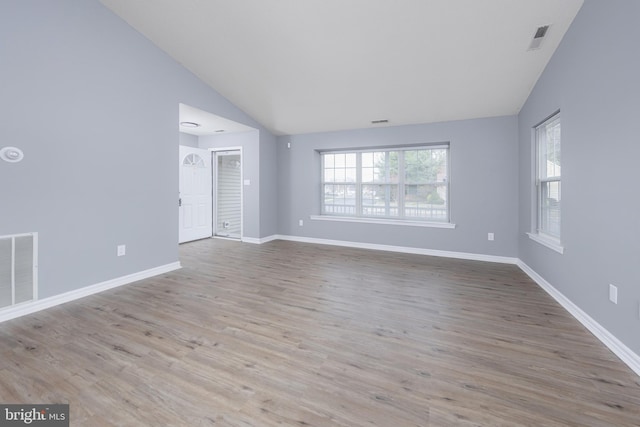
(425,166)
(350,175)
(367,160)
(553,148)
(394,167)
(329,175)
(550,212)
(380,200)
(367,174)
(350,160)
(412,167)
(375,168)
(339,199)
(340,167)
(548,135)
(329,161)
(426,201)
(380,173)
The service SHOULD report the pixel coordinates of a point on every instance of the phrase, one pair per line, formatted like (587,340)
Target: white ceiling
(300,66)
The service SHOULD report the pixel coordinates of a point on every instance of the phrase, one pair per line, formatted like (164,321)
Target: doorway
(222,145)
(228,193)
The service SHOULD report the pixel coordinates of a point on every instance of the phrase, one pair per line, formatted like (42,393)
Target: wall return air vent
(18,269)
(539,37)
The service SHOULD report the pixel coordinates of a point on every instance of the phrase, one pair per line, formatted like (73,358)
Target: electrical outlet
(490,236)
(122,250)
(613,294)
(300,222)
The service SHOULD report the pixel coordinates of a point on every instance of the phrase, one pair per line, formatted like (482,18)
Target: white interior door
(195,204)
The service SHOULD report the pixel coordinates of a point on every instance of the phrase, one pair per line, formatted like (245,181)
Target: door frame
(214,186)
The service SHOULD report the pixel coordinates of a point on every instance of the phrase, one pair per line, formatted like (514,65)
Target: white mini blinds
(409,183)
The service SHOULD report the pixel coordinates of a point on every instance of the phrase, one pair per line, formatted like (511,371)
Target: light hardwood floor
(293,334)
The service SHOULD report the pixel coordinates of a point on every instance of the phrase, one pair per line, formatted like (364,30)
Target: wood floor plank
(293,334)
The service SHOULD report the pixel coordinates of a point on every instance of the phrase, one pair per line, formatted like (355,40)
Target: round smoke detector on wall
(11,154)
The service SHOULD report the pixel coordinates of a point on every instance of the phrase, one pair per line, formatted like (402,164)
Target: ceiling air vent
(379,122)
(538,37)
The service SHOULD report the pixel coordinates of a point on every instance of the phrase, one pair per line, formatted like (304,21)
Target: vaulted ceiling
(299,66)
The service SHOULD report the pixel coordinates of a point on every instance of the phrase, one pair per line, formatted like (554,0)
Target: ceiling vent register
(538,37)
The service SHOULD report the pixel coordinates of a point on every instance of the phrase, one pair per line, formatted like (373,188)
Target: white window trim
(390,221)
(386,221)
(542,238)
(549,242)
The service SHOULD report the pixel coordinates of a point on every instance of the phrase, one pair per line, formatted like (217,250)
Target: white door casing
(195,198)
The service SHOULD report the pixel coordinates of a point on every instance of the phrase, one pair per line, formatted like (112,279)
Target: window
(407,183)
(548,178)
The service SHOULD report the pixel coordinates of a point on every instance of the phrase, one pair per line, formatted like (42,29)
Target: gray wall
(593,79)
(269,191)
(249,141)
(188,140)
(94,106)
(483,186)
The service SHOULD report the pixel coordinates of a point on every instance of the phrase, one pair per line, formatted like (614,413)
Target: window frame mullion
(401,183)
(387,183)
(323,209)
(358,184)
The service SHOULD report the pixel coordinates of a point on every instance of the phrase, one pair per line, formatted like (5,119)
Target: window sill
(545,241)
(383,221)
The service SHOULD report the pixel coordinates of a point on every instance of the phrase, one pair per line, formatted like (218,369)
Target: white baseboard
(625,354)
(402,249)
(33,306)
(259,241)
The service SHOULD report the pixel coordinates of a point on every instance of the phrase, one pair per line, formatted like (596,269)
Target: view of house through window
(408,183)
(549,177)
